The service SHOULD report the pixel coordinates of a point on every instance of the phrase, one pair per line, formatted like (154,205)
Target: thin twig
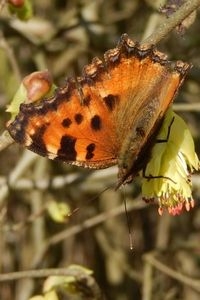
(11,56)
(24,163)
(2,4)
(5,140)
(37,274)
(170,23)
(147,281)
(186,107)
(191,282)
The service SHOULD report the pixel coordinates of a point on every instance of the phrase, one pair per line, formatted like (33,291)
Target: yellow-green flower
(58,211)
(166,177)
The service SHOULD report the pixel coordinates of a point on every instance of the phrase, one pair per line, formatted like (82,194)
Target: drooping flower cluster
(166,178)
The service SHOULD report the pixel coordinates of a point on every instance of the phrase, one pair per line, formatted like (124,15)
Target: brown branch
(36,274)
(147,286)
(186,107)
(11,56)
(2,4)
(191,282)
(5,140)
(170,23)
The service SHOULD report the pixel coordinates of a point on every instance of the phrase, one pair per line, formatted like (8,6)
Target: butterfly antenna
(92,199)
(128,222)
(100,193)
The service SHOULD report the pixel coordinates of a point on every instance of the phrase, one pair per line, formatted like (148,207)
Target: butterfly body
(109,115)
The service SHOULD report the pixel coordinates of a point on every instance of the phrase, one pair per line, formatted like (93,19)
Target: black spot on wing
(86,100)
(90,149)
(78,118)
(38,144)
(111,101)
(67,148)
(96,123)
(66,122)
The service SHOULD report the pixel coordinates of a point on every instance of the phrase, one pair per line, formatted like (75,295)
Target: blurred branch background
(63,36)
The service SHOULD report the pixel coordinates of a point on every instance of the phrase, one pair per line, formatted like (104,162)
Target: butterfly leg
(168,133)
(149,177)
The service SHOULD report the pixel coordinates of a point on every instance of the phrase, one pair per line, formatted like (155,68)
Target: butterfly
(110,115)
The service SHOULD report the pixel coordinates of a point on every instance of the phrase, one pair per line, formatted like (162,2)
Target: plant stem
(170,23)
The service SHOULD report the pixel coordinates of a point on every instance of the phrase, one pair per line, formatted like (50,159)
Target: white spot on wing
(51,156)
(52,150)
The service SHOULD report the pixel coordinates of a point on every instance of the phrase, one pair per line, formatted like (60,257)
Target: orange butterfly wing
(107,115)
